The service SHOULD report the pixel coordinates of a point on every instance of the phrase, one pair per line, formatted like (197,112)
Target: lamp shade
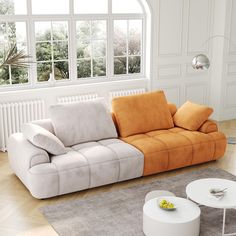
(200,61)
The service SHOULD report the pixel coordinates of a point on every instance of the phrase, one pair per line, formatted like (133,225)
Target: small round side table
(184,221)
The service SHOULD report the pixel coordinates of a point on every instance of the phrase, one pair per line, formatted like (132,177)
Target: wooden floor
(19,214)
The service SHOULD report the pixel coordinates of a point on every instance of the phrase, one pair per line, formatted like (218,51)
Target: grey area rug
(119,212)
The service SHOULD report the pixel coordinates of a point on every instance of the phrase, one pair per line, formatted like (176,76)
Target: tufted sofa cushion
(85,166)
(82,122)
(142,113)
(176,147)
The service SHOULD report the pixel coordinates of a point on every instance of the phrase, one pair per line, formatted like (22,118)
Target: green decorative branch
(15,58)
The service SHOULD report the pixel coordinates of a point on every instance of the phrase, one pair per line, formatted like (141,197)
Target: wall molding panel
(228,82)
(197,93)
(170,71)
(198,30)
(170,29)
(232,28)
(172,94)
(231,69)
(230,90)
(183,26)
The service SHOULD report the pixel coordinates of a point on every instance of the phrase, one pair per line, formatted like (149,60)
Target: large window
(86,40)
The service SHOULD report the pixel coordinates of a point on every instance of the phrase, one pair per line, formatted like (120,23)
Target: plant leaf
(15,58)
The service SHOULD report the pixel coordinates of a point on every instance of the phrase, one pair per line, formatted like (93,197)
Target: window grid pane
(126,6)
(43,7)
(127,46)
(52,50)
(91,48)
(91,6)
(13,7)
(13,36)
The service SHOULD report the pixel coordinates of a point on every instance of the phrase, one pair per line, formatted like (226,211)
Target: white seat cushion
(85,166)
(73,171)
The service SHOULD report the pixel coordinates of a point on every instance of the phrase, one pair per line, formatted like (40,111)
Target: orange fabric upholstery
(142,113)
(208,127)
(191,115)
(176,147)
(172,108)
(145,121)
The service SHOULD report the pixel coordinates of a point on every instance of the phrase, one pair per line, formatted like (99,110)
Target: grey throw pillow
(42,138)
(82,122)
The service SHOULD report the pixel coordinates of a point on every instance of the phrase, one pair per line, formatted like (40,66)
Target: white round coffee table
(184,221)
(158,193)
(198,191)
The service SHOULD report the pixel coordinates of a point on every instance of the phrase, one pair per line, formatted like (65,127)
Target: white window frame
(30,20)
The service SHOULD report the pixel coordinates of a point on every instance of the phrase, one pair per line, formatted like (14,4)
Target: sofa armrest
(208,126)
(23,155)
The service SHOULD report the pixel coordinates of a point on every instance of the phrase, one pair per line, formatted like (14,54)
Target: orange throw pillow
(142,113)
(191,115)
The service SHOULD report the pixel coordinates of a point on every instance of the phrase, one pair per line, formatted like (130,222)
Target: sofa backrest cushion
(142,113)
(172,108)
(44,123)
(191,115)
(42,138)
(82,122)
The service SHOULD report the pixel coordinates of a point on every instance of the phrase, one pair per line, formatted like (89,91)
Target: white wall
(182,28)
(228,78)
(178,32)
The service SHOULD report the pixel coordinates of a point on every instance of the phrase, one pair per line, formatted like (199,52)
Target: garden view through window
(52,50)
(88,40)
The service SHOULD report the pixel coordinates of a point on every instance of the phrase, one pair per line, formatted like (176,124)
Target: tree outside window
(91,48)
(127,46)
(52,50)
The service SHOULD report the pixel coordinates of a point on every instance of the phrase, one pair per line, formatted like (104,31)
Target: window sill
(88,83)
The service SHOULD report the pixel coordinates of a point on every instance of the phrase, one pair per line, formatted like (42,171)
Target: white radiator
(120,93)
(77,98)
(14,114)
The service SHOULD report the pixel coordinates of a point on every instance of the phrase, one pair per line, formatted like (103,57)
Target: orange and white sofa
(82,147)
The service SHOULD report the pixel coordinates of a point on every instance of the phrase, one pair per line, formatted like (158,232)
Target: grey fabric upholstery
(45,123)
(44,139)
(84,165)
(82,122)
(23,156)
(94,156)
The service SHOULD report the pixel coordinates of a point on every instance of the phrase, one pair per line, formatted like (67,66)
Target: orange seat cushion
(142,113)
(176,147)
(191,115)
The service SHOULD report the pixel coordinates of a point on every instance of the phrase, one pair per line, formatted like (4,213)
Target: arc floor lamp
(202,62)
